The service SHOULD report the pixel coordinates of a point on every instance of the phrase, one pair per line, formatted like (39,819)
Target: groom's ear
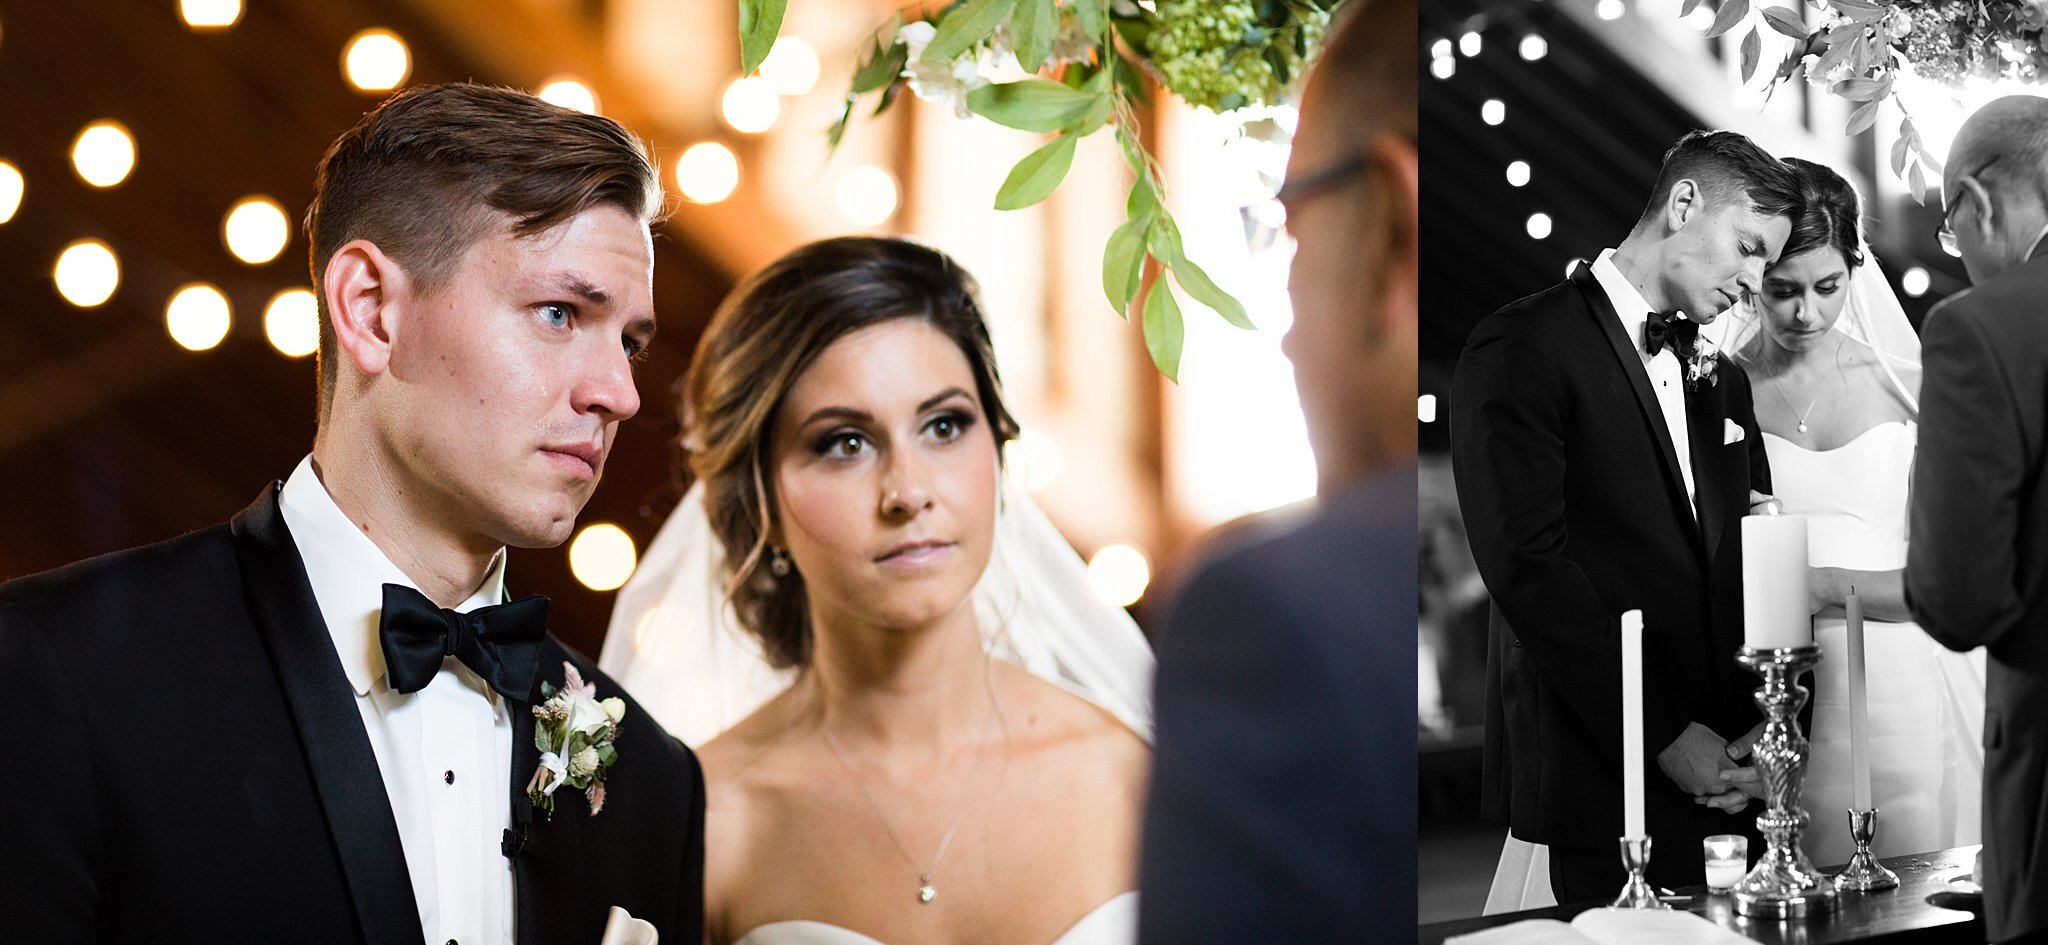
(361,286)
(1682,204)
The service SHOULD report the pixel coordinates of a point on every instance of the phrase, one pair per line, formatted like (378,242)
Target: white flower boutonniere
(574,731)
(1700,365)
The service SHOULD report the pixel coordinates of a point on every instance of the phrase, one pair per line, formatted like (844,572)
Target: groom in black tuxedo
(1974,574)
(315,723)
(1604,459)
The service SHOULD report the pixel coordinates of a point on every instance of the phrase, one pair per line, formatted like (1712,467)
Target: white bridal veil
(677,645)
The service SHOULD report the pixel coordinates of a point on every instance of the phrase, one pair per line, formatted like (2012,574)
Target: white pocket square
(1732,432)
(620,928)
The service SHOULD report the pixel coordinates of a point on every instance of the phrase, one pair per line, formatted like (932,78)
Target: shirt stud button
(450,778)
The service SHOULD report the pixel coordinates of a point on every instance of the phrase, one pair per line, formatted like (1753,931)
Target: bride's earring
(778,563)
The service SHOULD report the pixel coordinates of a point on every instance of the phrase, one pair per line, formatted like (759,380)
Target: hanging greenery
(1085,63)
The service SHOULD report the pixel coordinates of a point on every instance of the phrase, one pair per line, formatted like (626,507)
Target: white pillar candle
(1775,613)
(1859,721)
(1632,725)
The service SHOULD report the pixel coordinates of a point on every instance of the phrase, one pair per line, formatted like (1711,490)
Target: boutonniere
(1700,365)
(574,731)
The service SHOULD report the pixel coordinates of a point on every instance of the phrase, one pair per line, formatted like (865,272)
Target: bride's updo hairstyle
(761,339)
(1828,216)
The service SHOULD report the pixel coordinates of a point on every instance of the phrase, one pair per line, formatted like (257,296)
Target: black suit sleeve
(1968,473)
(1742,406)
(1508,457)
(690,883)
(49,848)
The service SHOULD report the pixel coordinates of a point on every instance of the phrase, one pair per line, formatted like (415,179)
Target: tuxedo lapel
(1706,427)
(337,749)
(1608,324)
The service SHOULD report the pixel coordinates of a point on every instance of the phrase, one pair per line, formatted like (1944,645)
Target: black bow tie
(500,643)
(1674,330)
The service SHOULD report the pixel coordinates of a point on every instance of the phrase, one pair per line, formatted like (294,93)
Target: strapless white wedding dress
(1926,703)
(1113,923)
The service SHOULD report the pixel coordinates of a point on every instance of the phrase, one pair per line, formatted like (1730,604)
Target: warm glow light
(198,317)
(1119,574)
(1469,44)
(791,67)
(1702,17)
(750,105)
(1916,282)
(1539,225)
(867,195)
(256,230)
(1534,47)
(87,273)
(1033,458)
(1439,49)
(707,172)
(376,60)
(1611,9)
(292,323)
(103,154)
(1493,111)
(1425,408)
(11,189)
(570,94)
(210,14)
(1443,67)
(602,556)
(1518,174)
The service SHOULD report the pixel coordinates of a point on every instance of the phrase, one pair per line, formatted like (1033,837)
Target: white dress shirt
(1667,376)
(445,751)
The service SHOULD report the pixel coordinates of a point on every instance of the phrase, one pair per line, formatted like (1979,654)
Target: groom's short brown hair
(430,171)
(1726,164)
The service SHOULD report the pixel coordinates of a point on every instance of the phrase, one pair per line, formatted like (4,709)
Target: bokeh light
(1119,574)
(87,273)
(1539,226)
(12,187)
(197,317)
(104,153)
(210,14)
(256,230)
(1916,282)
(707,172)
(750,105)
(867,195)
(791,67)
(1518,174)
(569,93)
(292,323)
(376,60)
(602,556)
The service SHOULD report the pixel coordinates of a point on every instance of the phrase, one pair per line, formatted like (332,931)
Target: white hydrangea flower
(945,83)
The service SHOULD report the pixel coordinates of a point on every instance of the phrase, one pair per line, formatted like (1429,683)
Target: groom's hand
(1694,761)
(1758,501)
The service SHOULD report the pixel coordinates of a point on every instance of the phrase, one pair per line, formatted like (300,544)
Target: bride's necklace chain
(926,890)
(1826,384)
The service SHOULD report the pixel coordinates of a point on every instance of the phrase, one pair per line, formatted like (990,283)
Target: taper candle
(1859,707)
(1632,725)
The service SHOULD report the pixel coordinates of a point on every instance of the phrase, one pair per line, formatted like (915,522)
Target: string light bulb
(256,230)
(707,173)
(376,60)
(12,187)
(750,105)
(197,317)
(210,14)
(292,323)
(104,153)
(87,273)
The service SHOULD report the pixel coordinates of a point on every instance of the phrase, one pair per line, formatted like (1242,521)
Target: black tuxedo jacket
(1977,568)
(1283,788)
(1576,510)
(197,771)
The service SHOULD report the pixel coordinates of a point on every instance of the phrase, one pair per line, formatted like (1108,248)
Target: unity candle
(1859,731)
(1632,725)
(1774,602)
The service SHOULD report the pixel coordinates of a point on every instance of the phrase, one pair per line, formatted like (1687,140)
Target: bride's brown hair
(761,339)
(1829,214)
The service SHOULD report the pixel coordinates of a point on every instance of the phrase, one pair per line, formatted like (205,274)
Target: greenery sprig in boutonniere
(574,731)
(1075,67)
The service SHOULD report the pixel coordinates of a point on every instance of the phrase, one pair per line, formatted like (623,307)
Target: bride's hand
(1823,589)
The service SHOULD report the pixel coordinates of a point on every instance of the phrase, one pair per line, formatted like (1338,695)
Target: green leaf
(1032,104)
(1093,19)
(1785,20)
(1123,260)
(1143,201)
(838,129)
(606,754)
(1862,118)
(1137,32)
(882,65)
(1037,174)
(1163,329)
(1129,79)
(1899,148)
(963,26)
(760,20)
(1732,12)
(1918,182)
(1277,60)
(1864,90)
(1165,244)
(1688,7)
(1032,28)
(1752,48)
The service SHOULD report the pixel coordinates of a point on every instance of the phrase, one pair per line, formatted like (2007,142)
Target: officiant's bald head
(1995,184)
(1351,200)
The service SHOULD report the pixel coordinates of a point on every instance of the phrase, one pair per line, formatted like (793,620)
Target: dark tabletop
(1921,910)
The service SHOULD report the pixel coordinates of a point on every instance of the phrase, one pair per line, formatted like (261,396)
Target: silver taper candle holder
(1637,893)
(1783,884)
(1864,873)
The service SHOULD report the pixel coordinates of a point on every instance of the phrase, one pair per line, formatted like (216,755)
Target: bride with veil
(917,722)
(1834,366)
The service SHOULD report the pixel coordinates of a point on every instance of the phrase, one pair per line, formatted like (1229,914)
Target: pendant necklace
(1809,407)
(926,890)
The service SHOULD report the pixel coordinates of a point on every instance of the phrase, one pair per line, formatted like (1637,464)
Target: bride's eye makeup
(949,425)
(840,443)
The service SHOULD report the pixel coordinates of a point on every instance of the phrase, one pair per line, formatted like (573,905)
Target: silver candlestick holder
(1784,883)
(1637,893)
(1864,873)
